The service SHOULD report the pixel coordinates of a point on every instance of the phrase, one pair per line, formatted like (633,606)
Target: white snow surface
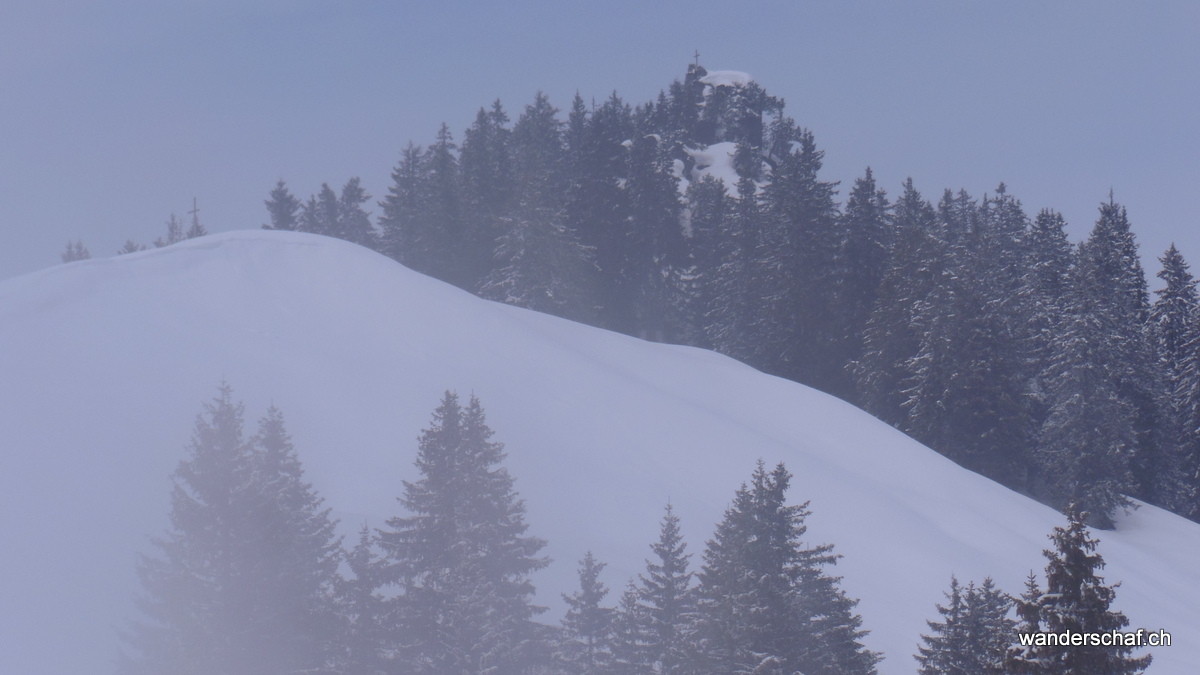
(104,365)
(715,160)
(727,78)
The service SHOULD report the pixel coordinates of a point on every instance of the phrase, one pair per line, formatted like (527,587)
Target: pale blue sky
(114,115)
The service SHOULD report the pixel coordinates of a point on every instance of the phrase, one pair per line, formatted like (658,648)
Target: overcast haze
(115,115)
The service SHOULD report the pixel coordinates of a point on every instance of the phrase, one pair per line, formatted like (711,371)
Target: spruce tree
(629,640)
(539,262)
(598,208)
(1175,330)
(796,326)
(405,236)
(652,247)
(174,233)
(487,185)
(1121,301)
(967,383)
(283,208)
(75,250)
(320,214)
(890,340)
(708,212)
(1075,600)
(586,647)
(243,580)
(459,562)
(765,603)
(1045,287)
(131,246)
(362,610)
(666,600)
(973,635)
(860,265)
(1087,440)
(353,222)
(732,287)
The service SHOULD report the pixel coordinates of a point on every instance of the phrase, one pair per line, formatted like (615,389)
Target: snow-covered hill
(105,363)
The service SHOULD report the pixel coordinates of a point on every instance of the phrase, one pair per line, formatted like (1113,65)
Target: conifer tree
(973,635)
(666,600)
(460,561)
(651,248)
(353,222)
(1045,286)
(796,325)
(967,383)
(1175,330)
(1087,440)
(586,646)
(764,599)
(539,262)
(860,265)
(1076,600)
(1121,302)
(890,340)
(283,209)
(598,208)
(243,580)
(131,246)
(362,610)
(728,319)
(441,211)
(75,251)
(405,237)
(487,184)
(321,212)
(174,233)
(629,648)
(708,212)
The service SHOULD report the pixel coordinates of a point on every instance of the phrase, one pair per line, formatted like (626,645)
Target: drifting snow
(727,78)
(104,365)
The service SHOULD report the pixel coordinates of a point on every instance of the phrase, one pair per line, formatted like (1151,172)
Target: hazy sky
(114,115)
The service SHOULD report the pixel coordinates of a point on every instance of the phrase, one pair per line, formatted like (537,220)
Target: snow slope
(104,365)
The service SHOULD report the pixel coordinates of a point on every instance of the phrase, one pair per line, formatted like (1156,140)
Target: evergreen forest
(702,218)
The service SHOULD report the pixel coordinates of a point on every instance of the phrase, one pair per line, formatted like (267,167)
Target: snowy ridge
(105,363)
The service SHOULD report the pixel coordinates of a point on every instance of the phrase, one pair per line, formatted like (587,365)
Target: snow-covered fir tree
(488,182)
(1110,259)
(458,563)
(539,262)
(973,635)
(765,603)
(862,259)
(1075,600)
(1175,330)
(966,384)
(794,264)
(890,339)
(666,601)
(1087,440)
